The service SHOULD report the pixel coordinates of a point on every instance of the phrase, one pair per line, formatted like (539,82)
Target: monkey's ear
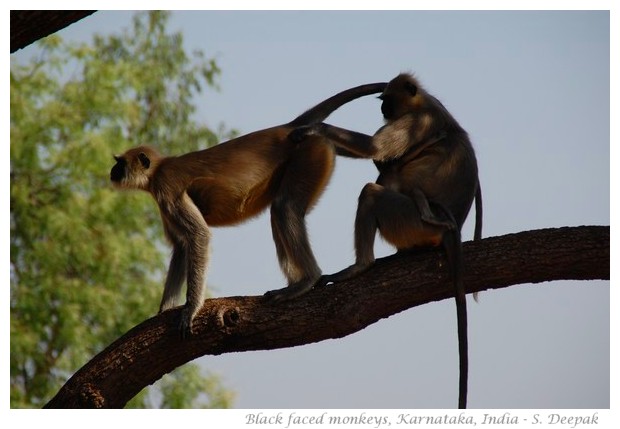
(411,88)
(116,158)
(144,160)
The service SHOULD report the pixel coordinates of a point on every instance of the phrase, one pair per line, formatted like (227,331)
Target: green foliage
(185,388)
(87,261)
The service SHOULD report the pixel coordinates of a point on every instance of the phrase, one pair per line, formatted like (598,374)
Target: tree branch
(28,26)
(396,283)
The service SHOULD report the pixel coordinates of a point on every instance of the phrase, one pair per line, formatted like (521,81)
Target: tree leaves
(86,260)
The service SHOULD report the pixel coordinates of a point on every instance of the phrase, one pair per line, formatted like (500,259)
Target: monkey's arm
(391,141)
(185,223)
(348,143)
(341,151)
(406,137)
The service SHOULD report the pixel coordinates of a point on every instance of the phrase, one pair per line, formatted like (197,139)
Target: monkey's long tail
(321,111)
(454,252)
(452,244)
(461,316)
(478,227)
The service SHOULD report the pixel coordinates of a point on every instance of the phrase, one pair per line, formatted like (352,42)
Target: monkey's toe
(324,280)
(290,292)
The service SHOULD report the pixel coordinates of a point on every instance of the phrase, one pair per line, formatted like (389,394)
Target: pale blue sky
(532,89)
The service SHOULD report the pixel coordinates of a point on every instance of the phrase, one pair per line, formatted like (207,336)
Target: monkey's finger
(299,134)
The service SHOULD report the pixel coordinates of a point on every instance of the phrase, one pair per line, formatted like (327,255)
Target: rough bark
(396,283)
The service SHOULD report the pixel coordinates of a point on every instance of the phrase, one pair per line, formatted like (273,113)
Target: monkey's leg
(365,231)
(308,171)
(396,216)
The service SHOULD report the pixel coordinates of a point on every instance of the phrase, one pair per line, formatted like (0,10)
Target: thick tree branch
(28,26)
(154,348)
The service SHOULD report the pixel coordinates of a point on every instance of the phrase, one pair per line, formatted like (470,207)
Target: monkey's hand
(299,134)
(431,220)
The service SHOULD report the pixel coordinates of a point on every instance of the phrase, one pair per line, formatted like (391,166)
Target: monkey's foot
(293,290)
(346,274)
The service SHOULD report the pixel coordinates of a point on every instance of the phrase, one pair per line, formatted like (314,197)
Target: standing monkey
(232,182)
(428,178)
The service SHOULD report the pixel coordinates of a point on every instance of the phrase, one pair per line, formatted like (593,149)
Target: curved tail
(325,108)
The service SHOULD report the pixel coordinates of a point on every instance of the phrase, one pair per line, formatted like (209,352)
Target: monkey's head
(402,95)
(134,168)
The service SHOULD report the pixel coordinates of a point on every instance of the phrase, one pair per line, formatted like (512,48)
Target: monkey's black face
(118,171)
(387,107)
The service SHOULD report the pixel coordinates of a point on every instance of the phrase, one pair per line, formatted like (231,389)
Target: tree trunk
(396,283)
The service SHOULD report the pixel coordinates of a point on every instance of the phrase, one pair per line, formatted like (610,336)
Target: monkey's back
(237,179)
